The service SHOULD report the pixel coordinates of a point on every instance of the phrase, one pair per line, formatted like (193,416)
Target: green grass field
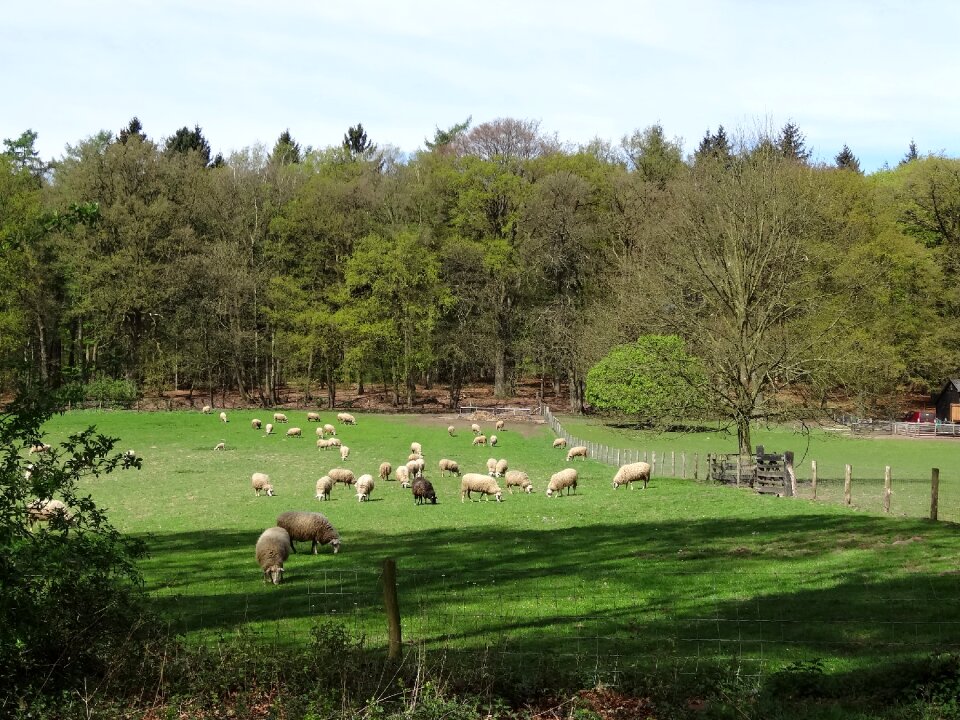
(680,574)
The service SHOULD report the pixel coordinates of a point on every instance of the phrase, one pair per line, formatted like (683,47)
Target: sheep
(324,486)
(500,424)
(560,443)
(475,428)
(342,475)
(311,526)
(329,429)
(364,487)
(502,467)
(423,491)
(294,432)
(492,466)
(319,431)
(385,470)
(28,472)
(475,482)
(279,418)
(132,454)
(346,418)
(518,478)
(416,447)
(403,476)
(449,465)
(273,549)
(46,510)
(207,410)
(577,451)
(223,417)
(256,423)
(414,456)
(480,440)
(628,474)
(493,440)
(416,467)
(313,417)
(269,429)
(344,452)
(322,444)
(334,442)
(220,446)
(39,448)
(451,431)
(566,478)
(261,482)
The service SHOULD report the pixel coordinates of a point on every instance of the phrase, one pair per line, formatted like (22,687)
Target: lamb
(342,475)
(294,432)
(220,446)
(261,482)
(207,410)
(324,486)
(223,417)
(403,476)
(628,474)
(346,418)
(449,465)
(313,417)
(578,451)
(475,428)
(518,478)
(480,440)
(415,447)
(344,452)
(311,526)
(46,510)
(273,548)
(475,482)
(451,431)
(492,466)
(279,418)
(560,443)
(493,440)
(500,424)
(423,491)
(319,431)
(385,470)
(329,429)
(502,467)
(256,423)
(364,487)
(564,479)
(416,467)
(269,429)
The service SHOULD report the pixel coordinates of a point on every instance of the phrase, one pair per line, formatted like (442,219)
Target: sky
(872,74)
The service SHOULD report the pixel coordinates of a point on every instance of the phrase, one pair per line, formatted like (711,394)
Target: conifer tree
(846,160)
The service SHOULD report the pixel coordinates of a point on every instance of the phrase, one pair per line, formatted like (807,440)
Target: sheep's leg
(314,547)
(292,546)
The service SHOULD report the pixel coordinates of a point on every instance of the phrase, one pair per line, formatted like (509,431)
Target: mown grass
(680,574)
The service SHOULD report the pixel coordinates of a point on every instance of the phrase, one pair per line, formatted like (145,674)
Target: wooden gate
(767,473)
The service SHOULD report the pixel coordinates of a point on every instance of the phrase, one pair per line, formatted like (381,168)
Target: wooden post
(887,491)
(739,466)
(847,479)
(696,466)
(653,462)
(392,606)
(813,477)
(790,481)
(683,466)
(934,492)
(673,463)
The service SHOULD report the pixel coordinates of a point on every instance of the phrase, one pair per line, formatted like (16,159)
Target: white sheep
(344,452)
(322,444)
(403,476)
(313,417)
(294,432)
(628,474)
(480,440)
(493,440)
(39,448)
(269,429)
(220,446)
(416,448)
(492,466)
(560,443)
(518,478)
(342,475)
(223,417)
(415,467)
(261,483)
(475,428)
(364,487)
(312,526)
(475,482)
(319,431)
(502,467)
(346,418)
(385,470)
(500,424)
(207,410)
(334,442)
(46,510)
(449,466)
(324,486)
(273,549)
(578,451)
(329,429)
(566,478)
(279,418)
(414,456)
(256,423)
(451,431)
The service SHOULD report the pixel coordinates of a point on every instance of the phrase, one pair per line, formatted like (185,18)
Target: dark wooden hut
(948,401)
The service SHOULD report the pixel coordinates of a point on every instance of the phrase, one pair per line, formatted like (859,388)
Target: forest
(496,252)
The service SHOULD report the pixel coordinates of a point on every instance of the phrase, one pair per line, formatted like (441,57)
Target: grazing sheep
(132,454)
(319,431)
(256,423)
(324,486)
(220,446)
(451,431)
(269,429)
(294,432)
(480,440)
(207,410)
(334,442)
(475,482)
(346,418)
(385,470)
(500,424)
(416,467)
(342,475)
(628,474)
(502,467)
(28,472)
(416,447)
(364,487)
(423,491)
(344,452)
(475,428)
(279,418)
(273,549)
(518,478)
(449,465)
(46,510)
(560,443)
(493,440)
(329,429)
(311,526)
(261,482)
(313,417)
(322,444)
(564,479)
(414,456)
(578,451)
(223,417)
(39,448)
(403,476)
(492,466)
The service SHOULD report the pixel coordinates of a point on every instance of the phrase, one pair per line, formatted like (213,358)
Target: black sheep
(423,491)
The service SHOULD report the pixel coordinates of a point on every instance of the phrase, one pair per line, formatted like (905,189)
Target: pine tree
(133,129)
(846,160)
(716,147)
(792,144)
(443,138)
(185,140)
(911,153)
(356,142)
(286,151)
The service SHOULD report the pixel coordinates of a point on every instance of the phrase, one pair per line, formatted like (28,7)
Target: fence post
(886,489)
(683,466)
(696,467)
(934,492)
(813,477)
(791,475)
(392,606)
(653,462)
(847,480)
(739,466)
(673,463)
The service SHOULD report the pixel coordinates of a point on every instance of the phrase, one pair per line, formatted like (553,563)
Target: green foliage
(185,141)
(653,380)
(846,160)
(655,158)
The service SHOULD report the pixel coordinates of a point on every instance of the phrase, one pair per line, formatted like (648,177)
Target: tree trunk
(42,341)
(331,388)
(743,435)
(500,373)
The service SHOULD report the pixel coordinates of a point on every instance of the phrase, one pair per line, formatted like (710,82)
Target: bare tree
(506,140)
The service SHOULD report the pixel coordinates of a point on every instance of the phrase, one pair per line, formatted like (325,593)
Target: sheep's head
(274,574)
(528,488)
(549,492)
(269,490)
(499,496)
(335,543)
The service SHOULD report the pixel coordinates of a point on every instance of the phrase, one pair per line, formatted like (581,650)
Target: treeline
(495,252)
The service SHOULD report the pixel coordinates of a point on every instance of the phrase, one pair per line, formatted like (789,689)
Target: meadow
(680,576)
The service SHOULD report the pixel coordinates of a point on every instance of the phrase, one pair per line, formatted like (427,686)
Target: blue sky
(873,75)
